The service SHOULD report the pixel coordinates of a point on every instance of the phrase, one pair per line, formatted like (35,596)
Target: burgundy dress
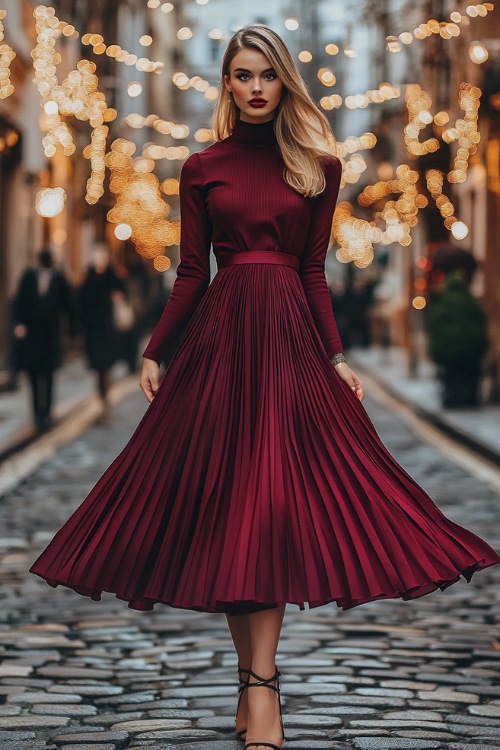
(255,476)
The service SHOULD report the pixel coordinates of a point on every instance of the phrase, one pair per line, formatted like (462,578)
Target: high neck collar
(254,132)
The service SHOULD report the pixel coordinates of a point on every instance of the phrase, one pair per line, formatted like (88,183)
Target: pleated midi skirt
(256,476)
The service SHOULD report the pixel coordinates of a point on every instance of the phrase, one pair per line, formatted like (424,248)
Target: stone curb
(23,462)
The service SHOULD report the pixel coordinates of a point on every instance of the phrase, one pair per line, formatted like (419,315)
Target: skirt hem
(248,606)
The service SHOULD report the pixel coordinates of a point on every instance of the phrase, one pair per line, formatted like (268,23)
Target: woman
(256,478)
(100,287)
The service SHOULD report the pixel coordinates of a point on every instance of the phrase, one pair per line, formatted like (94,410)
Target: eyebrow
(245,70)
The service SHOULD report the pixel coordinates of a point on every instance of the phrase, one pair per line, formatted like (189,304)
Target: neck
(254,132)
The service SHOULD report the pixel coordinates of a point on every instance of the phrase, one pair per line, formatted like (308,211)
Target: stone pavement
(83,675)
(73,383)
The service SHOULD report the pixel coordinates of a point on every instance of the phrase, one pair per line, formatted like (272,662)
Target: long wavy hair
(302,131)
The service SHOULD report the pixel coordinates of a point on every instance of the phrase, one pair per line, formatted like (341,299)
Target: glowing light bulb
(49,202)
(478,53)
(419,303)
(134,89)
(51,108)
(459,230)
(123,231)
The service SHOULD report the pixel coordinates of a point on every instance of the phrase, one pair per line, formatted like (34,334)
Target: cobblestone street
(389,674)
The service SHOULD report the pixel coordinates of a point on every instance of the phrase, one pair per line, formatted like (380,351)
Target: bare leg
(240,633)
(263,706)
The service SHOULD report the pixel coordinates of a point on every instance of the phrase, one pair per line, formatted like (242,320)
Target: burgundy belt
(258,256)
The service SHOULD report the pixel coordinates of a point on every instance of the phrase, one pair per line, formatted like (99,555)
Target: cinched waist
(258,256)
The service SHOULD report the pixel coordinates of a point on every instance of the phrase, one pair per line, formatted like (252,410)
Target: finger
(147,390)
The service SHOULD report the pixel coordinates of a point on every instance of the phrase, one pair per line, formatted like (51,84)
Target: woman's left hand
(351,379)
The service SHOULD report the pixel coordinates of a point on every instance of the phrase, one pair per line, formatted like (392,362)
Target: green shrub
(457,327)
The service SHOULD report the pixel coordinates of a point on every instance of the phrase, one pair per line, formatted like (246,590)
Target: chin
(264,112)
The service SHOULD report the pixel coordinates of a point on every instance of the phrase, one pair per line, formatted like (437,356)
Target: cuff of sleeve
(151,355)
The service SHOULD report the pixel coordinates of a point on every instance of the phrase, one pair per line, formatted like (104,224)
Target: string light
(184,82)
(332,49)
(49,202)
(399,215)
(140,211)
(384,93)
(445,29)
(123,231)
(184,33)
(99,47)
(139,204)
(45,61)
(96,151)
(355,236)
(434,179)
(134,89)
(327,77)
(305,56)
(467,131)
(418,104)
(7,54)
(353,168)
(161,263)
(478,53)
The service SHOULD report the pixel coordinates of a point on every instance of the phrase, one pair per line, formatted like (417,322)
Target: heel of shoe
(261,682)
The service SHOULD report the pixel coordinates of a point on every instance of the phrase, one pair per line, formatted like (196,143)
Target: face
(251,76)
(100,258)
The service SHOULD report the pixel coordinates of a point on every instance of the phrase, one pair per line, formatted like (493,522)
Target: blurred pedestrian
(137,286)
(359,300)
(100,291)
(43,296)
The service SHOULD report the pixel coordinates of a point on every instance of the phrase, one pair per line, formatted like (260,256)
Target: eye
(240,76)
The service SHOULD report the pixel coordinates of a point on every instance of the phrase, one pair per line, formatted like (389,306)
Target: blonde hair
(302,131)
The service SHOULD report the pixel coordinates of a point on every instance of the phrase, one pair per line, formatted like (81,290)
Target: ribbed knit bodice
(233,197)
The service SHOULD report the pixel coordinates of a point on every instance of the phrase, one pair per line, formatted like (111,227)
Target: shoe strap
(264,744)
(261,682)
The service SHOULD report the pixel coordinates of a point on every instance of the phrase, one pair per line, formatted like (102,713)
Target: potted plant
(457,341)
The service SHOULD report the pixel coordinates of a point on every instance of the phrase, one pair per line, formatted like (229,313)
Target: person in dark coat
(43,296)
(100,287)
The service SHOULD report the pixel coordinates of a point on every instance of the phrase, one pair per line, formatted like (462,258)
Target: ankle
(263,671)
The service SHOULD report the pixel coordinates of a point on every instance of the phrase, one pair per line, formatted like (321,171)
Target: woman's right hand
(150,378)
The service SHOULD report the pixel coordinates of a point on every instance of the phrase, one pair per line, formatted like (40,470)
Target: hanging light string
(78,96)
(140,211)
(445,29)
(7,54)
(144,64)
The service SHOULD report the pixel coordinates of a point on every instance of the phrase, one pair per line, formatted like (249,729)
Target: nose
(257,88)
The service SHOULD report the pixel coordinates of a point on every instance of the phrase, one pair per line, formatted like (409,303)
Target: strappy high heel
(242,685)
(261,682)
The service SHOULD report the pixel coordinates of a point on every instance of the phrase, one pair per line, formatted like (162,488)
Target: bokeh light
(49,202)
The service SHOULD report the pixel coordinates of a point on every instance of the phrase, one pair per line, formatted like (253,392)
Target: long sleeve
(312,268)
(193,271)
